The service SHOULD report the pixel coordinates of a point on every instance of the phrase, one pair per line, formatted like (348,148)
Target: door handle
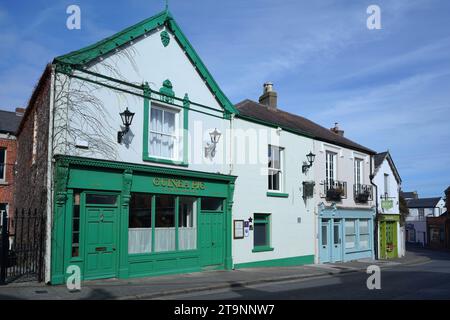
(213,243)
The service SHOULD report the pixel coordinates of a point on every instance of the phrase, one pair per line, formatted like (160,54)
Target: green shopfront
(118,220)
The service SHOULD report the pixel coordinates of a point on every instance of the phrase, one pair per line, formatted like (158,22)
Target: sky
(389,89)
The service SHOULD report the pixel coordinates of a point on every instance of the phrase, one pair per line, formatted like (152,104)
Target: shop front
(345,234)
(388,235)
(117,220)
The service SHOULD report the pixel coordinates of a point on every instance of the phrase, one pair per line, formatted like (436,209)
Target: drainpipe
(375,247)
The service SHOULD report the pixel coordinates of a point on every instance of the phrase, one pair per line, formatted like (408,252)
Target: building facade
(390,232)
(145,168)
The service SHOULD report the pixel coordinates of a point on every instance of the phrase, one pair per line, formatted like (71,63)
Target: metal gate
(22,247)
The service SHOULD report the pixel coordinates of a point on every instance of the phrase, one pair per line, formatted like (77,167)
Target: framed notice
(238,229)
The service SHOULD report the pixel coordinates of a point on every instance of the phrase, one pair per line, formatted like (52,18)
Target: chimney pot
(336,130)
(269,97)
(20,112)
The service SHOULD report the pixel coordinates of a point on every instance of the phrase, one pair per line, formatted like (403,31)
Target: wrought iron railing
(362,193)
(335,190)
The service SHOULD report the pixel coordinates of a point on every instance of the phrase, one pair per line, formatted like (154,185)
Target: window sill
(165,161)
(262,249)
(277,195)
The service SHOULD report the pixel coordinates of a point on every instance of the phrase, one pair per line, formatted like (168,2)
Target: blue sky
(388,88)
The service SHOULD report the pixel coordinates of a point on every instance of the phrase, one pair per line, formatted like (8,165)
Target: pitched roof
(409,194)
(252,110)
(88,54)
(379,159)
(423,203)
(9,122)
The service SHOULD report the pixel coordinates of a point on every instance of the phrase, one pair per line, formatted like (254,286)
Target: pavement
(201,282)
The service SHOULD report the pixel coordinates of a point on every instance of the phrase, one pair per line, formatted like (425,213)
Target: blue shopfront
(345,234)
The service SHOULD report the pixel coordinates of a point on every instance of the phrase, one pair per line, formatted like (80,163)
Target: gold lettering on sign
(178,184)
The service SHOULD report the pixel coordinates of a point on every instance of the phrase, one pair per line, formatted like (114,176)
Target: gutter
(372,176)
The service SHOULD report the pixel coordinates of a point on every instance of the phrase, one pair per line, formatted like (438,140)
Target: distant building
(409,195)
(416,222)
(438,228)
(9,122)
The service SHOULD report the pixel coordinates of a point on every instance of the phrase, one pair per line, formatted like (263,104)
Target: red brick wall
(7,188)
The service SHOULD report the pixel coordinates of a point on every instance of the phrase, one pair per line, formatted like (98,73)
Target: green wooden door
(212,238)
(101,242)
(391,240)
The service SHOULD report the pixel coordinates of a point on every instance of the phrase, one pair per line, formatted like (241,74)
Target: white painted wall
(289,237)
(393,187)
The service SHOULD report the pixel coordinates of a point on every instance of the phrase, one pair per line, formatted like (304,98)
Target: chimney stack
(20,112)
(269,97)
(336,130)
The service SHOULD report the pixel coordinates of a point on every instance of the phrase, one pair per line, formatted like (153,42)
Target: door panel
(325,243)
(211,238)
(101,242)
(337,240)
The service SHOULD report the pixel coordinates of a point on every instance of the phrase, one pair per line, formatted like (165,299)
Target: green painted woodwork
(277,195)
(145,152)
(95,176)
(389,217)
(284,262)
(87,55)
(211,238)
(165,38)
(167,91)
(262,249)
(388,236)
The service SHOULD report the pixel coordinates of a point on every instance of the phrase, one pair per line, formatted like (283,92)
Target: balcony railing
(335,190)
(362,193)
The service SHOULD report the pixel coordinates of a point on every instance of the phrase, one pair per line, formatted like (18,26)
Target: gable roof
(423,203)
(252,110)
(9,122)
(409,195)
(378,161)
(88,54)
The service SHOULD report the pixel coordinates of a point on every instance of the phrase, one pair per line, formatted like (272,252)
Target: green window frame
(183,116)
(263,220)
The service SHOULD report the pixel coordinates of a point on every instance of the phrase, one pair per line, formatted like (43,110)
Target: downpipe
(375,247)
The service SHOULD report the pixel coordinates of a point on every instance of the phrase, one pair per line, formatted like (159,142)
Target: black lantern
(127,119)
(310,157)
(215,136)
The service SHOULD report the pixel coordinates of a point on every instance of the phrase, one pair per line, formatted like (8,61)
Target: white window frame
(272,169)
(330,167)
(386,185)
(177,135)
(359,171)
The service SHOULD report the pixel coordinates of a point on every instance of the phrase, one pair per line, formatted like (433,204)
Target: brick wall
(7,186)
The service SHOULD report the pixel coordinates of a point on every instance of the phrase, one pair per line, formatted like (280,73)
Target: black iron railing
(362,193)
(335,190)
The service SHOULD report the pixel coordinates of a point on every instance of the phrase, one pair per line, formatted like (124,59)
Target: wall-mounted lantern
(127,119)
(310,157)
(210,149)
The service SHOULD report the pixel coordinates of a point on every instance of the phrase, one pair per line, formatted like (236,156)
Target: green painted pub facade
(118,220)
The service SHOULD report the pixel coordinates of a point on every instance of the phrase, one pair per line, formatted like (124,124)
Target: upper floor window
(331,174)
(163,132)
(386,185)
(358,171)
(2,164)
(275,168)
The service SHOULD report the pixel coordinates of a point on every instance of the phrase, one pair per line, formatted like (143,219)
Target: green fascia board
(262,249)
(389,217)
(284,262)
(277,195)
(79,161)
(88,54)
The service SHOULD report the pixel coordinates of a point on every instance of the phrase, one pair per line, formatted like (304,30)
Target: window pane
(165,223)
(140,224)
(276,181)
(76,226)
(155,144)
(337,235)
(187,231)
(350,242)
(156,116)
(324,235)
(276,158)
(2,163)
(101,199)
(363,226)
(169,122)
(260,235)
(364,242)
(350,227)
(212,204)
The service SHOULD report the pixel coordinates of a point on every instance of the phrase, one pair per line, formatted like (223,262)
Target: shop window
(165,223)
(187,229)
(364,234)
(163,132)
(76,226)
(212,204)
(101,199)
(275,176)
(140,224)
(2,164)
(261,232)
(350,234)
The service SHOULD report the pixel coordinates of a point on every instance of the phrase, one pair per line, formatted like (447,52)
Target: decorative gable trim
(88,54)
